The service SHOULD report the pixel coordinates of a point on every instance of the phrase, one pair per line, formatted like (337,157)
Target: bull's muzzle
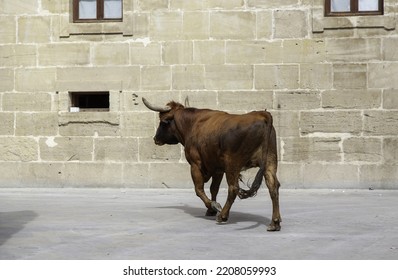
(157,142)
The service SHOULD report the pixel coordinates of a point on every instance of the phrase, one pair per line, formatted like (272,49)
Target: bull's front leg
(198,181)
(233,189)
(214,188)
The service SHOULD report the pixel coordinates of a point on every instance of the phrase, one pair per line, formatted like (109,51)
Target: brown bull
(216,143)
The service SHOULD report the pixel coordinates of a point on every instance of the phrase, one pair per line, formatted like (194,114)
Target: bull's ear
(186,102)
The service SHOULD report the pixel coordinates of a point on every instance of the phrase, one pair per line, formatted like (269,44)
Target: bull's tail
(252,191)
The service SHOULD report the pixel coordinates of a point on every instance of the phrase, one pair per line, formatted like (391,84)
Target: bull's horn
(155,108)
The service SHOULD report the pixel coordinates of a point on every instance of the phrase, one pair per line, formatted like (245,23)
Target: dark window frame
(354,10)
(90,101)
(100,13)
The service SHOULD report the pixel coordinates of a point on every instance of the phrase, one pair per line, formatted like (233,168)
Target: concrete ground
(170,224)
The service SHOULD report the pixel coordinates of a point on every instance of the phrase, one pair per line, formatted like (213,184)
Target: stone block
(188,77)
(111,54)
(66,149)
(65,54)
(36,124)
(390,99)
(136,175)
(139,124)
(270,4)
(6,79)
(20,7)
(201,99)
(41,175)
(146,54)
(55,7)
(330,176)
(252,52)
(34,29)
(351,99)
(141,24)
(290,175)
(38,101)
(18,149)
(264,25)
(245,101)
(390,151)
(353,49)
(186,5)
(362,149)
(18,55)
(331,122)
(149,152)
(304,51)
(381,123)
(116,149)
(35,79)
(156,78)
(209,52)
(7,123)
(10,174)
(170,175)
(350,76)
(383,75)
(311,149)
(390,49)
(286,123)
(316,76)
(94,175)
(229,77)
(379,176)
(179,52)
(87,78)
(151,5)
(290,24)
(195,25)
(297,100)
(233,25)
(276,76)
(8,29)
(166,25)
(223,4)
(89,124)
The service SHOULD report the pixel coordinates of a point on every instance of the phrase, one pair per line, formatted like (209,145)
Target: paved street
(170,224)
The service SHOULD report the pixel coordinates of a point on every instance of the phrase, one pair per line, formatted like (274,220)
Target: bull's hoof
(274,226)
(211,212)
(216,206)
(220,219)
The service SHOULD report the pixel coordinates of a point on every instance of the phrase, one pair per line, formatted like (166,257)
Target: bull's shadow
(235,217)
(13,222)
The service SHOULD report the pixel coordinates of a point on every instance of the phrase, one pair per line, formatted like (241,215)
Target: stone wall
(329,82)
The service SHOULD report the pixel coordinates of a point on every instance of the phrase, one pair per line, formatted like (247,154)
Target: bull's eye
(165,122)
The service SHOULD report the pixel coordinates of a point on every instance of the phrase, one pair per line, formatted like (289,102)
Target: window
(97,10)
(89,101)
(353,7)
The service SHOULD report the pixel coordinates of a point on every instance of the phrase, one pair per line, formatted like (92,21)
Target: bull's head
(167,132)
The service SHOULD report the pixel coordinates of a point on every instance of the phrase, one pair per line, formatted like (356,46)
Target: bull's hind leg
(273,187)
(214,188)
